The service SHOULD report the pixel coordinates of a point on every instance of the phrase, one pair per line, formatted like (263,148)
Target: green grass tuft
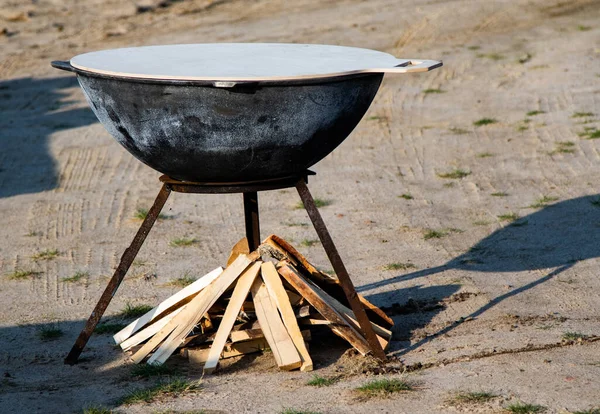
(399,266)
(318,381)
(458,131)
(134,311)
(543,201)
(406,196)
(508,217)
(474,47)
(457,173)
(183,281)
(108,328)
(429,91)
(182,242)
(308,242)
(383,387)
(152,370)
(434,234)
(294,411)
(590,411)
(172,387)
(590,133)
(573,336)
(484,155)
(582,114)
(474,397)
(142,213)
(50,333)
(47,254)
(492,56)
(22,274)
(533,113)
(583,28)
(563,147)
(76,277)
(499,194)
(521,408)
(97,409)
(484,121)
(319,202)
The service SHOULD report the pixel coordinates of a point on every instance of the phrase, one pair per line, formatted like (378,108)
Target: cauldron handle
(63,65)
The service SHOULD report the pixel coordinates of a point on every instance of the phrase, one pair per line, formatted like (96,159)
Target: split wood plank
(240,247)
(200,355)
(251,334)
(242,288)
(207,297)
(277,336)
(287,250)
(170,302)
(147,332)
(313,295)
(275,288)
(240,264)
(313,321)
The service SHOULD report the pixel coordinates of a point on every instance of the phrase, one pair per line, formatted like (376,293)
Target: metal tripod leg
(126,260)
(251,219)
(340,270)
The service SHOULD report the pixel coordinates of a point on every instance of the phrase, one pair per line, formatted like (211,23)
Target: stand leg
(340,270)
(126,260)
(251,218)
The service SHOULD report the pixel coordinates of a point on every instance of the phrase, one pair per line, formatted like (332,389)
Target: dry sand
(486,305)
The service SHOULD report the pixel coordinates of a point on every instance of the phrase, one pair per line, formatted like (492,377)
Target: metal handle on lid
(63,65)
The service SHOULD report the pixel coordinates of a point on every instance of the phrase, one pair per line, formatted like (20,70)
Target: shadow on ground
(554,238)
(31,110)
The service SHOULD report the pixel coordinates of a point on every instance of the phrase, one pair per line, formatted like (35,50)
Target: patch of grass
(383,387)
(399,266)
(108,328)
(590,411)
(151,370)
(308,242)
(543,201)
(434,234)
(475,47)
(499,194)
(47,254)
(590,133)
(376,118)
(318,381)
(484,155)
(142,213)
(294,411)
(492,56)
(458,131)
(22,274)
(134,311)
(406,196)
(319,202)
(522,408)
(76,277)
(175,386)
(183,281)
(583,28)
(522,128)
(481,223)
(449,185)
(563,147)
(456,173)
(182,242)
(97,409)
(536,112)
(508,217)
(474,397)
(429,91)
(582,114)
(50,333)
(573,336)
(484,121)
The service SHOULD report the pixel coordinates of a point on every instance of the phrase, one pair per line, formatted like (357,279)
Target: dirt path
(479,291)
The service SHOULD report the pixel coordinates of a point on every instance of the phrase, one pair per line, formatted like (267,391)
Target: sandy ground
(486,305)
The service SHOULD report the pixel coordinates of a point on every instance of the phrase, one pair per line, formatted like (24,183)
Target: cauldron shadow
(31,110)
(555,238)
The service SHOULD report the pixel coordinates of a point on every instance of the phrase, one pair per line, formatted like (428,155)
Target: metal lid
(243,62)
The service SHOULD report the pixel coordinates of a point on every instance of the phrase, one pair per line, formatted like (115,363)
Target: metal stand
(250,191)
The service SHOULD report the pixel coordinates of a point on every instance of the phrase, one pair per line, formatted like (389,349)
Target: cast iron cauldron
(233,112)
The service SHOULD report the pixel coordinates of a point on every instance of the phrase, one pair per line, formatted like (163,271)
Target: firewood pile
(262,299)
